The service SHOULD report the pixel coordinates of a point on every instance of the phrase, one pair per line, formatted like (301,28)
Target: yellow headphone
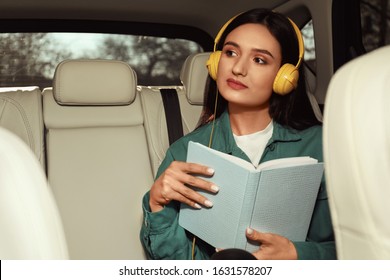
(287,77)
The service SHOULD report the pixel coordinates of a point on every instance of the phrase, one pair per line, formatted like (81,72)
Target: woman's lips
(234,84)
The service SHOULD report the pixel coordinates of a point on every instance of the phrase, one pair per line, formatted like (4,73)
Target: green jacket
(162,236)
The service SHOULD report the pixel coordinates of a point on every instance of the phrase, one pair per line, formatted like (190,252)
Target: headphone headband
(300,42)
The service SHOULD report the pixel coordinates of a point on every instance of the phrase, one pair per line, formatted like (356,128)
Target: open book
(278,197)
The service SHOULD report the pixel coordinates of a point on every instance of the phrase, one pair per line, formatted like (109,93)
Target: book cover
(278,197)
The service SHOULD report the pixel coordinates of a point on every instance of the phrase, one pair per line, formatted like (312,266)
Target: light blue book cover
(278,197)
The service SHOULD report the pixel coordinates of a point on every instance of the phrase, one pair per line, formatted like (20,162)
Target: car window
(375,22)
(30,58)
(310,49)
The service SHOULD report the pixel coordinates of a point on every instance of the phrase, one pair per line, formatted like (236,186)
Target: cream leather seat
(97,157)
(357,156)
(21,113)
(30,223)
(193,76)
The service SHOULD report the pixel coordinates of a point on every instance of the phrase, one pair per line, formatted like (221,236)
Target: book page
(286,162)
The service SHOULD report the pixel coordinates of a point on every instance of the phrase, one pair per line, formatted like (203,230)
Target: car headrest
(94,82)
(193,76)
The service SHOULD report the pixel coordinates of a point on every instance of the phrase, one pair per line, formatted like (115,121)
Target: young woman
(258,114)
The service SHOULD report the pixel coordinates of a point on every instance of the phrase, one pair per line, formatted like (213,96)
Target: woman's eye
(259,60)
(230,53)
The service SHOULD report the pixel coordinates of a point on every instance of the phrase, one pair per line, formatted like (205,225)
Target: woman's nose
(239,67)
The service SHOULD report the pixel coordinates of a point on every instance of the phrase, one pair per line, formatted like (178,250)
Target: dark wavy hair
(292,110)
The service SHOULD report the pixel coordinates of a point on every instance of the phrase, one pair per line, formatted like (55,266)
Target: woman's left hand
(272,246)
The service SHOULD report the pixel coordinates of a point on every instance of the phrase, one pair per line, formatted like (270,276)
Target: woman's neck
(244,121)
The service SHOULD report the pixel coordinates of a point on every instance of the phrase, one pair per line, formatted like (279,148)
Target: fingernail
(208,203)
(196,205)
(215,188)
(249,231)
(210,171)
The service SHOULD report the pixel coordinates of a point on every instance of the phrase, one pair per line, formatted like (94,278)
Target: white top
(254,144)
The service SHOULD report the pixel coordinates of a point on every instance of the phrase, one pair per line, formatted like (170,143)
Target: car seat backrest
(21,113)
(193,76)
(357,156)
(97,157)
(31,227)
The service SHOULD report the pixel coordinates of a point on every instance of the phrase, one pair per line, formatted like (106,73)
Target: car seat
(357,156)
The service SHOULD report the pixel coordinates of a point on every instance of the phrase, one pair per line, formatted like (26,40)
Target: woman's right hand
(174,182)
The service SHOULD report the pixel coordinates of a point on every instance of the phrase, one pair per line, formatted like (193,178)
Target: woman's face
(250,60)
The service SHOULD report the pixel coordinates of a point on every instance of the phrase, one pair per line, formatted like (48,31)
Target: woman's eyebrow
(263,51)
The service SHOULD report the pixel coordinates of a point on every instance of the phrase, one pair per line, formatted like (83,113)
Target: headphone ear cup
(286,79)
(212,64)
